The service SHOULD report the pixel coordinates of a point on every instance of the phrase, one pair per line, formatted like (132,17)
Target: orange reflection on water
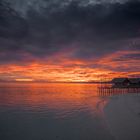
(63,98)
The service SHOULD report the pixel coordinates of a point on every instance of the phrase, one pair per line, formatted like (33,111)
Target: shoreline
(122,115)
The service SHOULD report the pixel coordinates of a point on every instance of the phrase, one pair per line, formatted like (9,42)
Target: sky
(69,40)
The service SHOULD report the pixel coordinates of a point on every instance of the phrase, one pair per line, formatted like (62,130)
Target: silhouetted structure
(120,86)
(104,91)
(134,82)
(120,82)
(125,82)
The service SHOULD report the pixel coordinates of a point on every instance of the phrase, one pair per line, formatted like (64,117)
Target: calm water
(52,112)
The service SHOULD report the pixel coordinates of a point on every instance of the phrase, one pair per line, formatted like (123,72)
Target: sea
(52,111)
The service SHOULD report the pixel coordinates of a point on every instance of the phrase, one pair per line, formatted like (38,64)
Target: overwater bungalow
(120,82)
(125,82)
(121,86)
(134,82)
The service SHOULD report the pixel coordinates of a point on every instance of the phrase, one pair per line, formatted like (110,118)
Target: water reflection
(53,96)
(51,110)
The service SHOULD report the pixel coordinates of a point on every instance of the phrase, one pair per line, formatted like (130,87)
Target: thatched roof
(134,80)
(119,80)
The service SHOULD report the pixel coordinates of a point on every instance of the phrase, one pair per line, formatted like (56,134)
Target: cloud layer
(71,34)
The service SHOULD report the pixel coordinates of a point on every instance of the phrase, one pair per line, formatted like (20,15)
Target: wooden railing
(105,91)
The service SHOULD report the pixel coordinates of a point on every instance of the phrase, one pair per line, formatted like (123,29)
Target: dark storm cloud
(11,24)
(94,30)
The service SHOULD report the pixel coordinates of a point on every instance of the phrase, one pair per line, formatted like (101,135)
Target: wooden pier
(108,91)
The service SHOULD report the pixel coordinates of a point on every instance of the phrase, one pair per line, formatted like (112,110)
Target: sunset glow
(76,42)
(24,80)
(72,70)
(69,69)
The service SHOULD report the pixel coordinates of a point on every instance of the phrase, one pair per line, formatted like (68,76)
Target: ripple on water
(52,111)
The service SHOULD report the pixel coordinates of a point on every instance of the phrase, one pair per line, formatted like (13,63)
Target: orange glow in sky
(71,70)
(69,41)
(24,80)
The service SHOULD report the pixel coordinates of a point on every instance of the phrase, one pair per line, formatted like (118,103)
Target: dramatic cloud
(95,37)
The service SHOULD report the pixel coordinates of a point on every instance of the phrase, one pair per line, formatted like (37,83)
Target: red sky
(73,42)
(60,68)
